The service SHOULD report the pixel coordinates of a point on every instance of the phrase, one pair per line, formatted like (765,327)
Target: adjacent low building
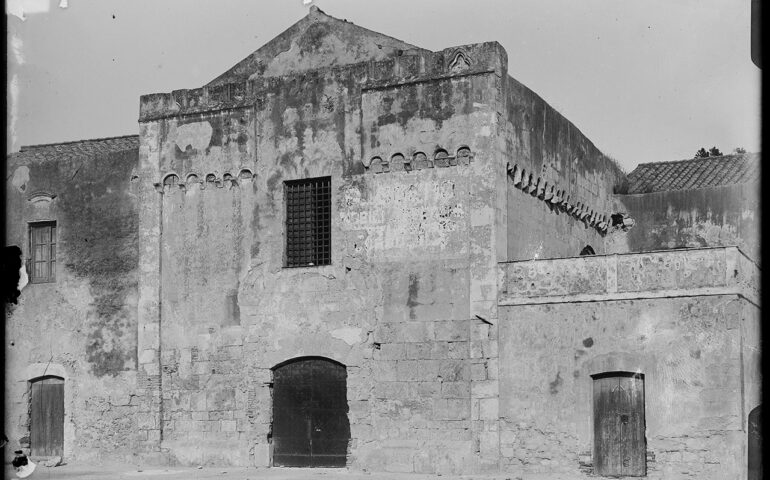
(351,251)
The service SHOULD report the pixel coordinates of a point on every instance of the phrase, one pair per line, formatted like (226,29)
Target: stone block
(479,371)
(220,399)
(479,330)
(148,356)
(424,462)
(451,409)
(424,389)
(388,333)
(455,389)
(262,455)
(146,421)
(200,415)
(198,401)
(417,331)
(485,389)
(385,370)
(391,351)
(489,409)
(220,415)
(417,370)
(391,390)
(228,426)
(493,369)
(455,330)
(488,443)
(454,370)
(150,369)
(419,350)
(400,460)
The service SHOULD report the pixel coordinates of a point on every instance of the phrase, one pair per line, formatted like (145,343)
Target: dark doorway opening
(310,413)
(46,436)
(755,444)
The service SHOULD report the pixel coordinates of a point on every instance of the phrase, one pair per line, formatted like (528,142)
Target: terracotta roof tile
(694,173)
(79,148)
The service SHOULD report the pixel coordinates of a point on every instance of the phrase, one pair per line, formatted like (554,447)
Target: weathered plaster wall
(689,350)
(413,258)
(83,326)
(705,217)
(316,41)
(687,320)
(547,150)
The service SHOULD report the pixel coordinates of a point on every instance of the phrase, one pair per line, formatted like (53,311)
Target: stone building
(349,250)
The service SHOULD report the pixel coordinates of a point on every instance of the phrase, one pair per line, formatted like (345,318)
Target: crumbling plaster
(82,327)
(704,217)
(411,247)
(686,320)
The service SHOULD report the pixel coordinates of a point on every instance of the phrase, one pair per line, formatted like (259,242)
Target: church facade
(351,251)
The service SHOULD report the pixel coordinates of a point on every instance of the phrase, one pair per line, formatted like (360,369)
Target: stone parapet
(480,58)
(671,273)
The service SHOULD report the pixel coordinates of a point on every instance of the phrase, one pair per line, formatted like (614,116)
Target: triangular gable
(317,40)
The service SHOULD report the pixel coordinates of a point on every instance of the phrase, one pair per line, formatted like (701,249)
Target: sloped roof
(79,148)
(317,40)
(694,173)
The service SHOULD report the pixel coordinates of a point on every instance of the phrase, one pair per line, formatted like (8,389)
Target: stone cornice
(455,62)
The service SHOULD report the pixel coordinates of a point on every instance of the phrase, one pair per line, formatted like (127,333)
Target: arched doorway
(310,413)
(46,436)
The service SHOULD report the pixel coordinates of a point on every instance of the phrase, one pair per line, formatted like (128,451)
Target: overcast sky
(648,80)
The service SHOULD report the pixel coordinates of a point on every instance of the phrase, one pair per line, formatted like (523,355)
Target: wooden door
(47,417)
(619,441)
(310,414)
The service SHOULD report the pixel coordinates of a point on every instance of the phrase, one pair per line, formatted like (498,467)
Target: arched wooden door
(46,436)
(310,414)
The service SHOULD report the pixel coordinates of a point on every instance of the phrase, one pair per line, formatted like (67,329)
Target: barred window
(42,248)
(308,222)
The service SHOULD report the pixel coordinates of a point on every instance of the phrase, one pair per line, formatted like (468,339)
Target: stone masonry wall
(413,258)
(686,320)
(560,185)
(705,217)
(82,327)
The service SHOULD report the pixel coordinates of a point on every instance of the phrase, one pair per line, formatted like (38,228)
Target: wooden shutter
(619,441)
(42,243)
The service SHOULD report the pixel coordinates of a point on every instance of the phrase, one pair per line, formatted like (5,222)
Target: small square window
(308,222)
(42,252)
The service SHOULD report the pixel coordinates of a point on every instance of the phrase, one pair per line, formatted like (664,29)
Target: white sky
(649,80)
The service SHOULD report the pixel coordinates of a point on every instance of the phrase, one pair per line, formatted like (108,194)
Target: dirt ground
(134,472)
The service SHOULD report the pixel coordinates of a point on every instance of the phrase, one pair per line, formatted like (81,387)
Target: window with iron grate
(42,252)
(308,222)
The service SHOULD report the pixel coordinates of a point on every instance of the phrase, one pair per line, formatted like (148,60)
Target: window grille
(308,222)
(42,248)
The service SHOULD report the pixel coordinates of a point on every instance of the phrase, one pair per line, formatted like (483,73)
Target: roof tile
(694,173)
